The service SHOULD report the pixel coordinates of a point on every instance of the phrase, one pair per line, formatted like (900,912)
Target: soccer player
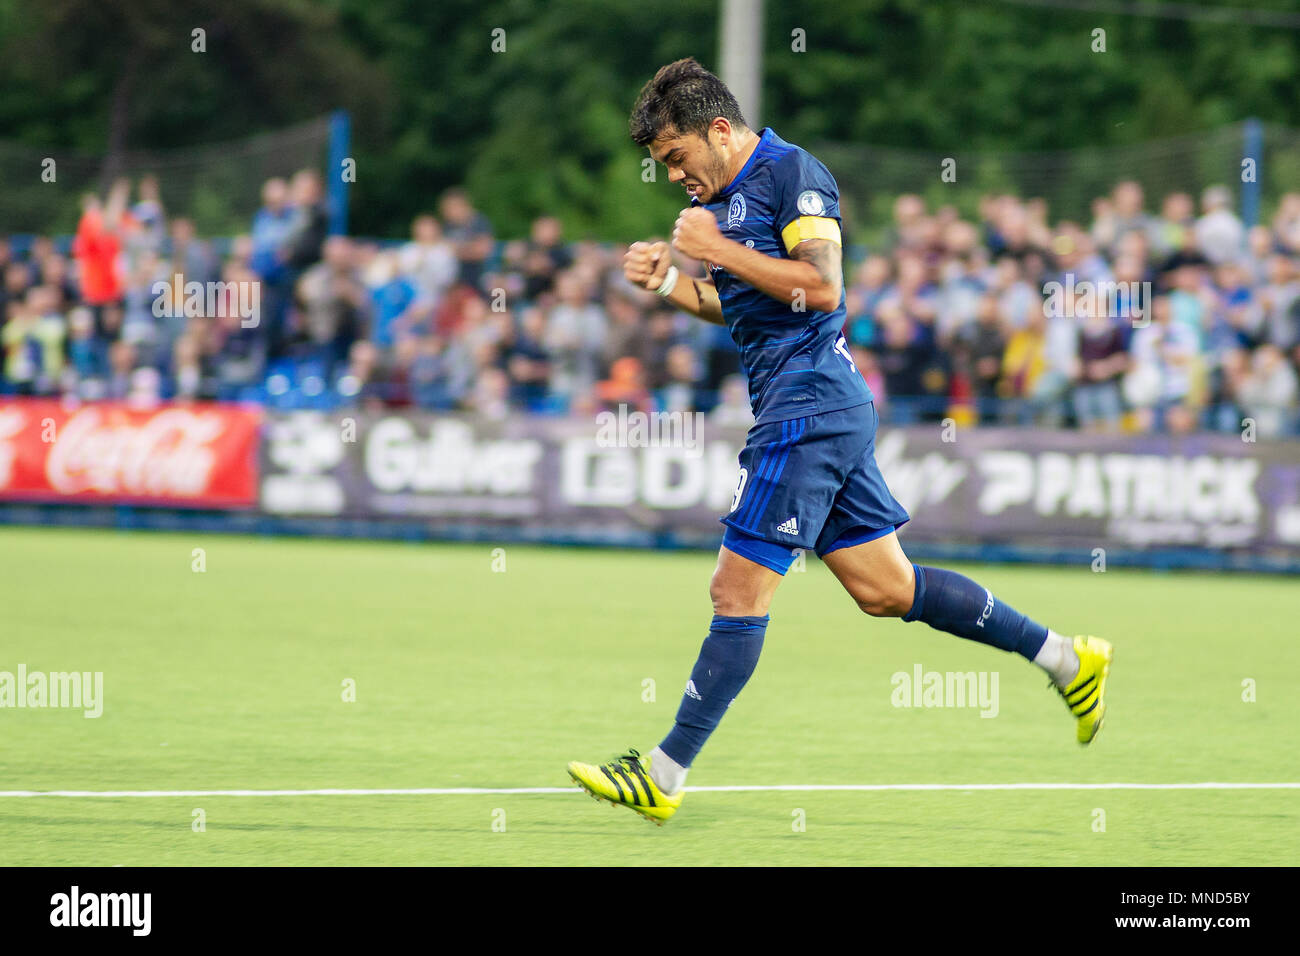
(764,217)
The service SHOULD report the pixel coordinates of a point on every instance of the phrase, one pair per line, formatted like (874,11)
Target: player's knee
(883,604)
(739,605)
(886,599)
(733,600)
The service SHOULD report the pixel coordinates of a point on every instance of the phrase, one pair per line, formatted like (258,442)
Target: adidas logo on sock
(691,691)
(789,526)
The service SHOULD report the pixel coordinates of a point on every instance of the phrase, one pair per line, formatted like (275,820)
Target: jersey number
(740,489)
(843,348)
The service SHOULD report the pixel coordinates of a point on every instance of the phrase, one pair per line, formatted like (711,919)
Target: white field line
(757,788)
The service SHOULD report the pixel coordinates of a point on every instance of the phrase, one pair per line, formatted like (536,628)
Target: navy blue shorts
(810,484)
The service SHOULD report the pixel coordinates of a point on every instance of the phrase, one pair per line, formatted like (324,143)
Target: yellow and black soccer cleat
(1085,696)
(626,782)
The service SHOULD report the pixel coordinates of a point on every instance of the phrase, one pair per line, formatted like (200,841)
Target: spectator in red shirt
(96,249)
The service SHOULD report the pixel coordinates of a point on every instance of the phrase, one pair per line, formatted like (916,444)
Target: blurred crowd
(1174,321)
(1151,317)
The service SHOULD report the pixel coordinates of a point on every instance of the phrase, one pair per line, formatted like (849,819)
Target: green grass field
(234,678)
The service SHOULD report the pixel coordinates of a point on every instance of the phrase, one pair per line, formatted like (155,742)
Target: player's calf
(877,576)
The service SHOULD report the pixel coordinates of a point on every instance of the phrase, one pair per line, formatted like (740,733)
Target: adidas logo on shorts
(789,526)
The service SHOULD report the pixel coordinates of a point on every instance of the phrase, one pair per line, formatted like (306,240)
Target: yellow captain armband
(810,227)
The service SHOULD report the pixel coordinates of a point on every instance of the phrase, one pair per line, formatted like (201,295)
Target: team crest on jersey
(736,212)
(810,204)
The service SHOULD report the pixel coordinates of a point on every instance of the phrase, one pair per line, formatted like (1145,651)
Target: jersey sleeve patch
(810,204)
(810,227)
(807,200)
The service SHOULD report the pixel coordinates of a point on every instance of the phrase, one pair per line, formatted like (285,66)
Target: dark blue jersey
(797,361)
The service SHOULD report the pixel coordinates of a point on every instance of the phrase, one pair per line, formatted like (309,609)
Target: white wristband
(669,283)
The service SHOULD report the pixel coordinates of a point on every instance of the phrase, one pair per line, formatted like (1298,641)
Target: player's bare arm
(646,264)
(812,277)
(827,258)
(699,297)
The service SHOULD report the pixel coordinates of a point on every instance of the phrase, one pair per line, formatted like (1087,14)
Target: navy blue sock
(727,659)
(956,604)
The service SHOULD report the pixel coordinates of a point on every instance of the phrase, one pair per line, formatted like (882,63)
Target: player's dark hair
(684,97)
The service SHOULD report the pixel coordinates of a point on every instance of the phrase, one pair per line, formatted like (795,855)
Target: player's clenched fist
(646,263)
(696,234)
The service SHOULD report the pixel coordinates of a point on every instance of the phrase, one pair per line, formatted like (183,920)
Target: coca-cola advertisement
(197,455)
